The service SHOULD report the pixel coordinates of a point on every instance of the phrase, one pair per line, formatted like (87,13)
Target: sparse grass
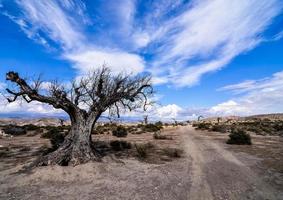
(143,149)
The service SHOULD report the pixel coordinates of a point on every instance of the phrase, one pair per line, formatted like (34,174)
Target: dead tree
(97,92)
(175,122)
(145,121)
(199,117)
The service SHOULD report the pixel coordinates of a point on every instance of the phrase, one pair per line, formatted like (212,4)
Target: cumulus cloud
(27,108)
(257,97)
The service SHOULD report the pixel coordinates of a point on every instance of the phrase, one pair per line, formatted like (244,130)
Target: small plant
(219,128)
(120,131)
(143,149)
(151,128)
(158,136)
(203,126)
(239,136)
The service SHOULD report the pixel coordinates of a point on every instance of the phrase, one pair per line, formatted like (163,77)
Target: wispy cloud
(211,34)
(64,23)
(177,41)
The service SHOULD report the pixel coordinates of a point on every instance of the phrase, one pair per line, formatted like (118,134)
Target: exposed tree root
(69,154)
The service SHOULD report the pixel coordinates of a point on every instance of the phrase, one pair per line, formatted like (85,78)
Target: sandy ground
(210,169)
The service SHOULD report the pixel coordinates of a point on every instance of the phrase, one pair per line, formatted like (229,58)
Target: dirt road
(217,173)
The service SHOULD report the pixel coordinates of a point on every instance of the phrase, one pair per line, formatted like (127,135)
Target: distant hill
(34,121)
(275,116)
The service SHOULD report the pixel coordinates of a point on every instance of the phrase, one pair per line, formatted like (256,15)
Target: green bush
(239,136)
(120,131)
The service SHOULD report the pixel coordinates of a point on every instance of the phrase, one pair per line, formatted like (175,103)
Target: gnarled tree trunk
(77,147)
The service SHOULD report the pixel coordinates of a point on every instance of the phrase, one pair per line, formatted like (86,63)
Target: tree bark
(77,147)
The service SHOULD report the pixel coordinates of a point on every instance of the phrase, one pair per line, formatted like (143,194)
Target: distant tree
(218,119)
(99,91)
(175,122)
(199,117)
(145,121)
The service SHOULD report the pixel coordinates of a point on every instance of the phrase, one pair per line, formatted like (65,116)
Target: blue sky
(209,57)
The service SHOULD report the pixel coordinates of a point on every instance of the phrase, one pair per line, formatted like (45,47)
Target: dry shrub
(239,136)
(158,136)
(173,152)
(143,149)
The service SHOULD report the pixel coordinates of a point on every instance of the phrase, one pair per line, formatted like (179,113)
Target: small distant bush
(159,124)
(219,128)
(100,130)
(151,128)
(203,126)
(31,127)
(117,145)
(143,150)
(14,130)
(239,136)
(120,131)
(158,136)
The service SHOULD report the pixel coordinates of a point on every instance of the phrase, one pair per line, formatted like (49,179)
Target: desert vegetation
(238,136)
(256,126)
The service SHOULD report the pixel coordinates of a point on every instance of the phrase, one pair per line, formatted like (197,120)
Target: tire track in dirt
(217,173)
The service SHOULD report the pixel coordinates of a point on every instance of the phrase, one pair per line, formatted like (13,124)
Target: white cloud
(258,96)
(48,17)
(27,108)
(187,40)
(117,60)
(52,19)
(2,86)
(169,111)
